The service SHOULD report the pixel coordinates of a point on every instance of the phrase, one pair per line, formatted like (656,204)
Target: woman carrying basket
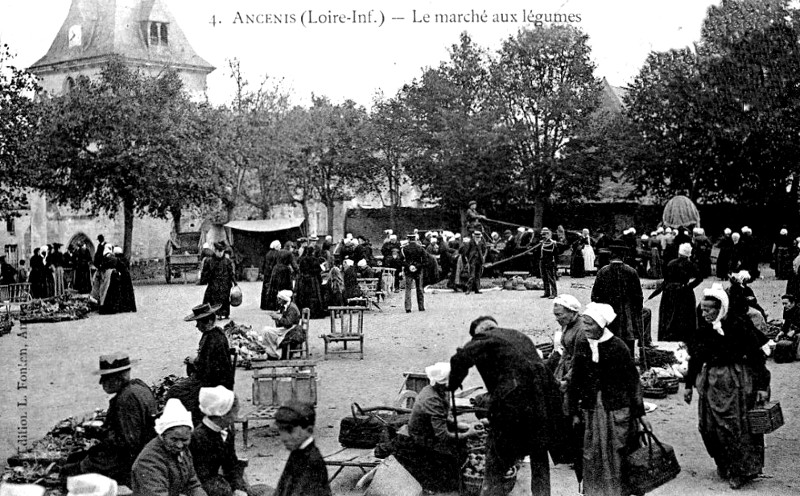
(728,368)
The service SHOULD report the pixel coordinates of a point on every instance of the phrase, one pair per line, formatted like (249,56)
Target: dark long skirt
(608,436)
(111,304)
(83,280)
(725,395)
(309,295)
(676,314)
(576,266)
(127,298)
(219,293)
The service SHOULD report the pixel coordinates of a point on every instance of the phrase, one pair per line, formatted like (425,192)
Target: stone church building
(147,37)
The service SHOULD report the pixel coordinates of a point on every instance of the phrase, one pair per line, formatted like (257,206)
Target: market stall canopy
(681,211)
(264,225)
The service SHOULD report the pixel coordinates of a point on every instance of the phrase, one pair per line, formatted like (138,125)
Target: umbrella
(680,211)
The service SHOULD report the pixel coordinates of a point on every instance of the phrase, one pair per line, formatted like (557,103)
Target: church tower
(142,32)
(145,35)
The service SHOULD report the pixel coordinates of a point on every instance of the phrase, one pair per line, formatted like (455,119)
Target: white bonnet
(601,313)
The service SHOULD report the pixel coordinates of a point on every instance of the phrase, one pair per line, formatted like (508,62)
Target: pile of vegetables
(246,341)
(69,306)
(161,387)
(68,436)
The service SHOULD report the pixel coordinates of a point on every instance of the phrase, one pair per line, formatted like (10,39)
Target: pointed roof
(612,97)
(118,27)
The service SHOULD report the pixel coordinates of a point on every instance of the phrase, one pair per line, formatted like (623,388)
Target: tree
(335,145)
(544,85)
(124,142)
(457,150)
(725,117)
(17,120)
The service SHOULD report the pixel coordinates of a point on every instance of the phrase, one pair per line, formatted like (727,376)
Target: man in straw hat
(213,363)
(525,413)
(128,425)
(213,447)
(431,453)
(273,336)
(165,465)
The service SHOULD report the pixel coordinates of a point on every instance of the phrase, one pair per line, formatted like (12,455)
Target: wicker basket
(766,418)
(671,384)
(471,484)
(657,393)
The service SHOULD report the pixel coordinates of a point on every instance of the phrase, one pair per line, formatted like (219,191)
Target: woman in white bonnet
(605,394)
(431,453)
(676,313)
(567,311)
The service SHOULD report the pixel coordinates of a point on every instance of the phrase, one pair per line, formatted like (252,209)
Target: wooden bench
(351,457)
(387,276)
(369,290)
(14,295)
(300,351)
(345,332)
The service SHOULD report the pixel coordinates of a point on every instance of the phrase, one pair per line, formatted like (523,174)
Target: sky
(318,49)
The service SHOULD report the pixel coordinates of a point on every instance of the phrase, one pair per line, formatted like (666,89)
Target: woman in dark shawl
(309,291)
(728,368)
(111,303)
(351,287)
(218,275)
(676,314)
(127,298)
(270,261)
(280,278)
(83,274)
(37,276)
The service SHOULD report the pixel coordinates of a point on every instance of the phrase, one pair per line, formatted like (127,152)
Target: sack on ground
(650,466)
(391,479)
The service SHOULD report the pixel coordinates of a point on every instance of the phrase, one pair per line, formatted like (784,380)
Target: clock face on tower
(74,36)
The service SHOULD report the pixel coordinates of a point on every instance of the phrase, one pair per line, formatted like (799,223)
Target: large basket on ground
(471,484)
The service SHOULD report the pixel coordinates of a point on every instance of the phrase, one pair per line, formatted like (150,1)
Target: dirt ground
(49,370)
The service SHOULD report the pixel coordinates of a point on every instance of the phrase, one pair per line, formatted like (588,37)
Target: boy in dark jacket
(305,473)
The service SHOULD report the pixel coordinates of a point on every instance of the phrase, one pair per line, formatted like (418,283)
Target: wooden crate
(278,381)
(765,419)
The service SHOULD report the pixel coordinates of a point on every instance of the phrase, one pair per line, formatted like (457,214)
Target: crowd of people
(51,271)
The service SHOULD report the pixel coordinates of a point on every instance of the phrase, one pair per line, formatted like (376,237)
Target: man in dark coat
(618,285)
(414,258)
(475,255)
(128,425)
(218,274)
(548,251)
(213,364)
(525,413)
(305,473)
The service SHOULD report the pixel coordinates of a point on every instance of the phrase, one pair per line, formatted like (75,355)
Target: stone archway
(79,239)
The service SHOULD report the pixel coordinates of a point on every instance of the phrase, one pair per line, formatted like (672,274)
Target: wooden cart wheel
(406,399)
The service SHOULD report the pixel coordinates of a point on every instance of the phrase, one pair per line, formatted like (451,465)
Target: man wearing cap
(525,412)
(414,259)
(165,466)
(272,337)
(431,452)
(474,218)
(305,473)
(128,425)
(214,367)
(475,256)
(548,255)
(617,284)
(213,447)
